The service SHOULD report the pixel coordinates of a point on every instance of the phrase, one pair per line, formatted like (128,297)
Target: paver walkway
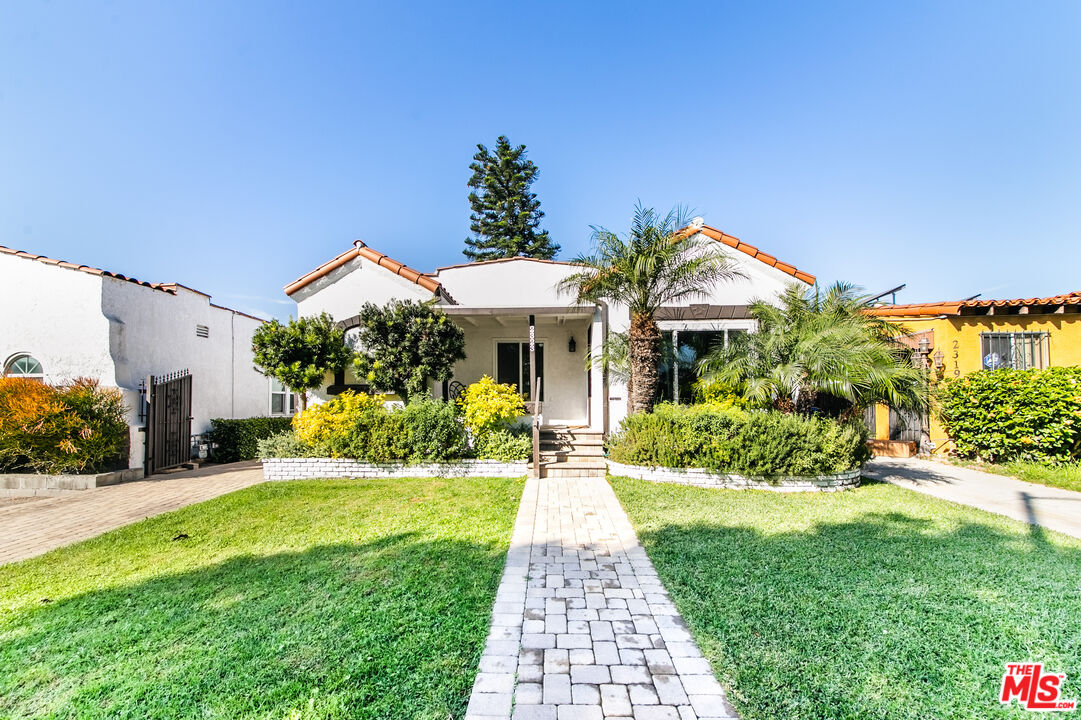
(1052,508)
(582,627)
(33,528)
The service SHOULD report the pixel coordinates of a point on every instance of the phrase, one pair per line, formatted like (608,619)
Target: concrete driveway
(32,528)
(1047,507)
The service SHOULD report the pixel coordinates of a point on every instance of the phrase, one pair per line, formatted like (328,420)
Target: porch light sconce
(572,346)
(940,360)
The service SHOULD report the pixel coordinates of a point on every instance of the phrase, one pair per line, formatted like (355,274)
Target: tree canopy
(505,218)
(820,350)
(651,266)
(300,353)
(403,344)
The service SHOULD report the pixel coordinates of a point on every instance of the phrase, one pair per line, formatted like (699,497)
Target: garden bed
(703,478)
(275,469)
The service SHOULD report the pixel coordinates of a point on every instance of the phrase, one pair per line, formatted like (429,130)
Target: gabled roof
(497,260)
(737,244)
(168,288)
(361,250)
(958,307)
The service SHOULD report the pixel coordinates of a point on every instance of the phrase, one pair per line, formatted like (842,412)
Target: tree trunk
(645,352)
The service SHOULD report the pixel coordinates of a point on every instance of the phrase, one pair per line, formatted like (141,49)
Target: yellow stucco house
(967,335)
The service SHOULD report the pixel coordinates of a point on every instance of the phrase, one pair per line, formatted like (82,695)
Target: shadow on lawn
(887,616)
(390,629)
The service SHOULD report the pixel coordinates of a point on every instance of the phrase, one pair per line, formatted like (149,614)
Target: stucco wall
(521,282)
(342,292)
(54,314)
(958,337)
(565,378)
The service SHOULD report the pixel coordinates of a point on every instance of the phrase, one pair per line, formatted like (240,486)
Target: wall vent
(202,331)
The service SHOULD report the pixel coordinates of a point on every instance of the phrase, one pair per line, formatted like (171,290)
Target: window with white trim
(512,366)
(24,366)
(1017,350)
(282,402)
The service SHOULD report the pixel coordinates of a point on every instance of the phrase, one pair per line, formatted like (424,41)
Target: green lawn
(321,599)
(874,603)
(1067,477)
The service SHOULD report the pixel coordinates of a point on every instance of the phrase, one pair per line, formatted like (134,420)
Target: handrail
(536,432)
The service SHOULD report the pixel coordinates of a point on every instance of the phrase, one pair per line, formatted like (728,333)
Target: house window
(24,366)
(1020,350)
(282,402)
(512,366)
(678,370)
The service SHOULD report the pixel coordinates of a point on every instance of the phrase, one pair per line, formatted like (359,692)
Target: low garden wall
(700,477)
(30,484)
(313,468)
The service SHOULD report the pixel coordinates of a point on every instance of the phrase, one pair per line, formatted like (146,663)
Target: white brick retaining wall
(700,477)
(312,468)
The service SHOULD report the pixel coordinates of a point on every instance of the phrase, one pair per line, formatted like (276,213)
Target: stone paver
(29,529)
(1049,507)
(582,627)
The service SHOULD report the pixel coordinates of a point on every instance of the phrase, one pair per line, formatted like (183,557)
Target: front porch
(497,344)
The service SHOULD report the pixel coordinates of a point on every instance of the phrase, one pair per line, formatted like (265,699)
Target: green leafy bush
(730,440)
(504,445)
(362,427)
(76,428)
(233,440)
(1002,415)
(283,445)
(488,406)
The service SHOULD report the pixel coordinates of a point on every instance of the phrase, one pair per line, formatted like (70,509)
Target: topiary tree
(301,352)
(406,343)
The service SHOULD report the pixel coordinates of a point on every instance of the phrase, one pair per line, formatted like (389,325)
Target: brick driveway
(32,528)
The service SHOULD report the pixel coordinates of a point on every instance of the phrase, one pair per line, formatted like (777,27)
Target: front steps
(571,452)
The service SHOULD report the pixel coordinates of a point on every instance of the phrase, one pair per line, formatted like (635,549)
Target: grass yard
(1067,477)
(873,603)
(321,599)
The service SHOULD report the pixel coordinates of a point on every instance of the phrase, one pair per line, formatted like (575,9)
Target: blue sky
(233,146)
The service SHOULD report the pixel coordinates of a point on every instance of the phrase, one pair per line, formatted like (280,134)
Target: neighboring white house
(60,321)
(493,302)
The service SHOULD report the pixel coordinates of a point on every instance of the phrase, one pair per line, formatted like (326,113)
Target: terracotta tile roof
(359,249)
(955,307)
(169,288)
(737,244)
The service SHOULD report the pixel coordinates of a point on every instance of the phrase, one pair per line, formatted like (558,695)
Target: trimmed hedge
(75,428)
(734,441)
(1003,415)
(239,439)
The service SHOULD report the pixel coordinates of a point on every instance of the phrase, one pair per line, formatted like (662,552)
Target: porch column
(598,400)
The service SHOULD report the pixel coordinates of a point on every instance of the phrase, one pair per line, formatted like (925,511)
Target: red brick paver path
(33,528)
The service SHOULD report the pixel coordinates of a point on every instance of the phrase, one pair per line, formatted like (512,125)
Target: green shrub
(1002,415)
(233,440)
(76,428)
(729,440)
(283,445)
(362,427)
(488,406)
(433,430)
(504,445)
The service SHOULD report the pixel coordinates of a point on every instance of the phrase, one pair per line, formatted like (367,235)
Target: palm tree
(657,263)
(819,349)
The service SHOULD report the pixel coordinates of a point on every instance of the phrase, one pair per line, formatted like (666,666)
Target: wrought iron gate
(168,421)
(906,425)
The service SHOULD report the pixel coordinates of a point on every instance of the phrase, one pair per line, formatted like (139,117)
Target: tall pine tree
(506,216)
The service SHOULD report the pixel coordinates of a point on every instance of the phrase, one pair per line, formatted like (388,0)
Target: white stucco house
(493,302)
(60,321)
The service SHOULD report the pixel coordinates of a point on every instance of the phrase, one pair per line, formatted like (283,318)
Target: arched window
(24,366)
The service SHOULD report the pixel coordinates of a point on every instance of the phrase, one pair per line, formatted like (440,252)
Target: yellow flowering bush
(326,422)
(717,394)
(488,406)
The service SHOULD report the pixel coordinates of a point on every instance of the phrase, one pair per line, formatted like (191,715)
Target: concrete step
(570,472)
